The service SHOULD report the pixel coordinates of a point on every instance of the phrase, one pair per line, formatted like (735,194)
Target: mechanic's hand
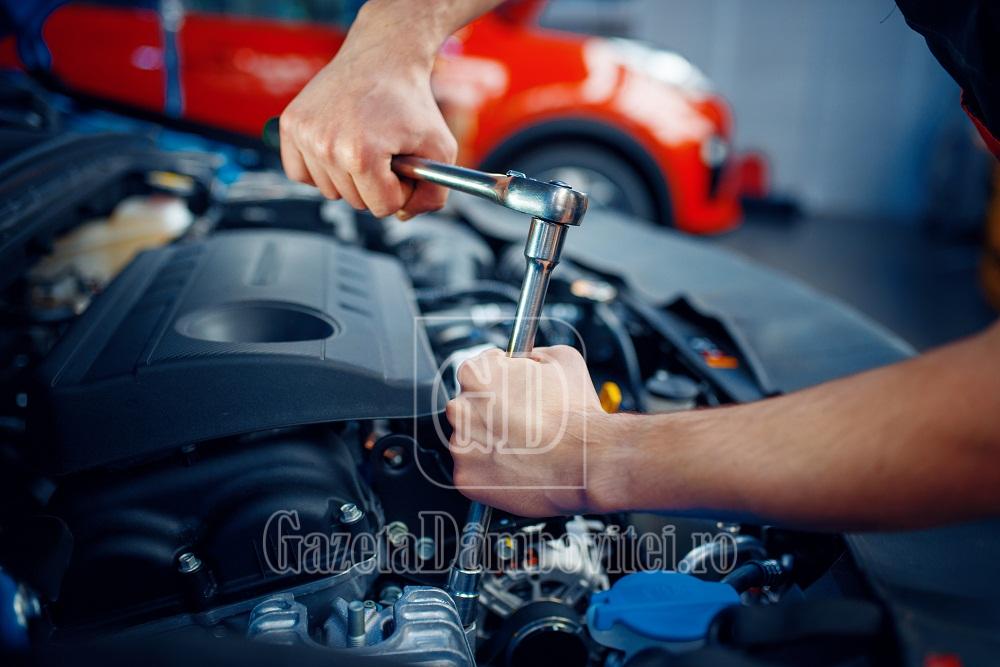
(373,101)
(536,422)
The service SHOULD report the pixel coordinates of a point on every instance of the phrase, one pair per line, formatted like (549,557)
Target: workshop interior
(222,395)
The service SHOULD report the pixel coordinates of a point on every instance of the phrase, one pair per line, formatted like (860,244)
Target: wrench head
(554,202)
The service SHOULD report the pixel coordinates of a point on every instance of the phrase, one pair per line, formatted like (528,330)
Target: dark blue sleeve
(964,35)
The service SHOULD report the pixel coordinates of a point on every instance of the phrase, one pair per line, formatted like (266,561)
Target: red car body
(507,88)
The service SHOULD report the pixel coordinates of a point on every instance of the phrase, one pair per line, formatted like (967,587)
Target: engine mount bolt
(188,563)
(350,514)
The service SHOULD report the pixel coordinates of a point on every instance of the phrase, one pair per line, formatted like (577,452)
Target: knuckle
(287,121)
(563,353)
(323,145)
(466,375)
(353,156)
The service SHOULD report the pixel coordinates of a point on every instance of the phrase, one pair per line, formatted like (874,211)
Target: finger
(475,374)
(559,354)
(426,197)
(454,410)
(380,188)
(345,185)
(319,178)
(441,146)
(293,164)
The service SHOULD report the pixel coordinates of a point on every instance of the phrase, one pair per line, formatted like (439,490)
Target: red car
(640,129)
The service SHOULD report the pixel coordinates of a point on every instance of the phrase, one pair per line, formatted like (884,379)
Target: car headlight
(666,66)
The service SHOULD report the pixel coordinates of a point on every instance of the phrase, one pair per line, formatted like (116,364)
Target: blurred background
(820,138)
(862,130)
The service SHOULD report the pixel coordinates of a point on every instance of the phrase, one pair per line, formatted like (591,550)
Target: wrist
(611,466)
(397,36)
(650,463)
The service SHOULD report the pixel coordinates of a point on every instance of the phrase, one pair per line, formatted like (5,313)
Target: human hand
(530,435)
(373,101)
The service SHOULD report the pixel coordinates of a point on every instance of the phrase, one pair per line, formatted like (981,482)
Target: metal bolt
(370,604)
(188,563)
(390,594)
(349,514)
(396,533)
(426,548)
(356,624)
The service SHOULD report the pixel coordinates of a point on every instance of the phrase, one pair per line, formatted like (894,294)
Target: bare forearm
(414,30)
(911,444)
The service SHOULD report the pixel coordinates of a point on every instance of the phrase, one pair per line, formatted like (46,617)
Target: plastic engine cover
(243,332)
(657,609)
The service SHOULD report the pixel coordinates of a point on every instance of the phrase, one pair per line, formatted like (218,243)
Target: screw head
(426,548)
(396,533)
(188,563)
(350,513)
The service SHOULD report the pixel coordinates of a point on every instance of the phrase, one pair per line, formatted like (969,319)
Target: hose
(756,574)
(628,353)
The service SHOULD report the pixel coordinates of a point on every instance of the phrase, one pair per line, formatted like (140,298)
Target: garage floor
(926,290)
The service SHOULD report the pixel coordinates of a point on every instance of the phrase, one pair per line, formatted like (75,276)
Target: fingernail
(403,216)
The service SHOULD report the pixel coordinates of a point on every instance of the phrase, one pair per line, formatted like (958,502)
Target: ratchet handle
(478,183)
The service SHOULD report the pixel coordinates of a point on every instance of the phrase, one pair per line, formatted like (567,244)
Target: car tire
(610,180)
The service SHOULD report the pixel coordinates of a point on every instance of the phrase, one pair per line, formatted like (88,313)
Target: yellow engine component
(611,397)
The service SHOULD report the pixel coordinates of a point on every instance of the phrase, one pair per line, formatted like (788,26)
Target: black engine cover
(215,501)
(243,332)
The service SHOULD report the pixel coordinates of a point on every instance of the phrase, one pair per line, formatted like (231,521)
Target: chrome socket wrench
(553,207)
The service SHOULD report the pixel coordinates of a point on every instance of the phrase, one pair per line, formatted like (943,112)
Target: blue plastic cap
(661,606)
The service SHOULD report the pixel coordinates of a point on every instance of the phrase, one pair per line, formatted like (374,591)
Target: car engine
(230,429)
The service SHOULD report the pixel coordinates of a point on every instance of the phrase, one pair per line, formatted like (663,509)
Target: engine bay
(230,429)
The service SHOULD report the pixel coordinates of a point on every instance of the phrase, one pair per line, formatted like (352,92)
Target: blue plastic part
(13,631)
(660,606)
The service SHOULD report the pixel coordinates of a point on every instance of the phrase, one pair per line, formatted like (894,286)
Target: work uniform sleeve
(964,35)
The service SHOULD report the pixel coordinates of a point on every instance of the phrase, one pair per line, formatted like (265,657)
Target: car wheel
(610,180)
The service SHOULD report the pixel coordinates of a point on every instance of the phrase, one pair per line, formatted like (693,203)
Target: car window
(340,12)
